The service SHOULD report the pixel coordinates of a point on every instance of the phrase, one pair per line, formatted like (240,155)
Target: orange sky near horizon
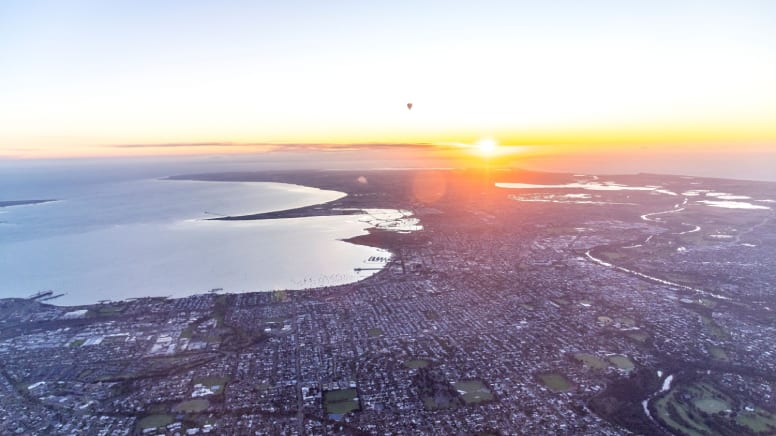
(638,139)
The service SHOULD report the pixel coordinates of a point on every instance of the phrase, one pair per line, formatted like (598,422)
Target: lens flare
(486,146)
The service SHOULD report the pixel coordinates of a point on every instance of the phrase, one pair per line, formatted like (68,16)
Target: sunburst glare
(486,146)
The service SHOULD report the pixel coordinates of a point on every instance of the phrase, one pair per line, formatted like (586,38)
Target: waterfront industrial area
(521,303)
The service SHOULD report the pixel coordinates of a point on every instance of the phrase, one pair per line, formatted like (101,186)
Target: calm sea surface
(117,238)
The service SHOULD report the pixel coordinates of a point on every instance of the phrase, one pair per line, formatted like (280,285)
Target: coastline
(347,270)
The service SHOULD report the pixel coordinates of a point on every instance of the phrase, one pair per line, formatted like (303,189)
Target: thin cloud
(350,146)
(177,144)
(274,146)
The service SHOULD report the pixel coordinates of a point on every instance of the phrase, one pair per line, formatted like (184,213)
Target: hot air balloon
(409,105)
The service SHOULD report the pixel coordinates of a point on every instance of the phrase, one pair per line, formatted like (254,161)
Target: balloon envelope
(409,105)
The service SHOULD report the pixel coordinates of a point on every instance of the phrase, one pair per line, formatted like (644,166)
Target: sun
(486,146)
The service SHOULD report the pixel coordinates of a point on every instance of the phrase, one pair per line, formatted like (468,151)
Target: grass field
(638,335)
(685,417)
(154,421)
(192,406)
(340,401)
(555,382)
(621,362)
(711,405)
(416,363)
(718,353)
(681,423)
(683,408)
(611,255)
(759,421)
(715,329)
(473,391)
(591,360)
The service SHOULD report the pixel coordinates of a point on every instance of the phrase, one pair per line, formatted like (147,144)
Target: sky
(554,78)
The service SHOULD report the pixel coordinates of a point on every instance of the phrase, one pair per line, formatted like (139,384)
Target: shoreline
(372,237)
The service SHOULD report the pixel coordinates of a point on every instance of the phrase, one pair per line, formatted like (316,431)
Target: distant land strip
(300,212)
(380,192)
(10,203)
